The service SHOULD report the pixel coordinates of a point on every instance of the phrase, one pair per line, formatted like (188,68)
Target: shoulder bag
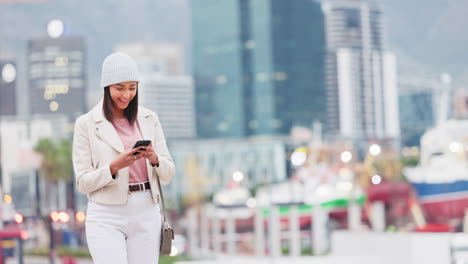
(167,233)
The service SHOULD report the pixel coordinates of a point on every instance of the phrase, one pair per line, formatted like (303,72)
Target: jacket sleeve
(166,169)
(88,178)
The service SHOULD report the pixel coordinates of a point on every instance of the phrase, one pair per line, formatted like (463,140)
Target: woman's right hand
(125,159)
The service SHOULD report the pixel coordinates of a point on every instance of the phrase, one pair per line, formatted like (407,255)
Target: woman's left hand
(150,155)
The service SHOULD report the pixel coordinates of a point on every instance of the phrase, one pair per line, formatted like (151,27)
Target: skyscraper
(361,74)
(57,78)
(425,102)
(156,57)
(258,66)
(7,88)
(416,115)
(164,86)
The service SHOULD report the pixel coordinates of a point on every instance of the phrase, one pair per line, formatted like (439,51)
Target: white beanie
(118,67)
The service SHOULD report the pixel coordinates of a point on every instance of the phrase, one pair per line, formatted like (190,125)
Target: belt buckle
(141,187)
(130,191)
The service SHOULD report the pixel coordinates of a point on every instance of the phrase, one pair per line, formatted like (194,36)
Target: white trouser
(124,234)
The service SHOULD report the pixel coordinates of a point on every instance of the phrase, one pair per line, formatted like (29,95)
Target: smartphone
(141,143)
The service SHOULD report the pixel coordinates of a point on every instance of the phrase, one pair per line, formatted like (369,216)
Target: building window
(253,124)
(223,126)
(352,19)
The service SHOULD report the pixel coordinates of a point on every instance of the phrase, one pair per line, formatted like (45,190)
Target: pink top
(129,134)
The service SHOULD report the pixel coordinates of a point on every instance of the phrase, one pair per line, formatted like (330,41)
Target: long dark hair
(130,112)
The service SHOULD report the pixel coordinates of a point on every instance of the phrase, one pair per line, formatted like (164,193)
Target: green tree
(410,161)
(56,162)
(56,166)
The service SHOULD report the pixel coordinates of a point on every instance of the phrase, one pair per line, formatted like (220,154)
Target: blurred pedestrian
(123,223)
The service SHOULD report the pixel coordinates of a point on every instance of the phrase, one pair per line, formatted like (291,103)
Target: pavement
(238,260)
(45,260)
(289,260)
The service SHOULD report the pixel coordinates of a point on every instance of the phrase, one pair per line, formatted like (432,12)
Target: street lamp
(237,176)
(64,217)
(7,198)
(346,156)
(19,218)
(376,179)
(55,28)
(55,217)
(375,149)
(299,157)
(456,147)
(251,203)
(8,73)
(80,216)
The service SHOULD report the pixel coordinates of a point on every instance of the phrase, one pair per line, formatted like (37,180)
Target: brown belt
(138,187)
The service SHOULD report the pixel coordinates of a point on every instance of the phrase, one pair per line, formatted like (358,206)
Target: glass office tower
(57,77)
(258,66)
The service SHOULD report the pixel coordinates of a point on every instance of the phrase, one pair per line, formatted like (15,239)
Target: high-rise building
(164,87)
(57,76)
(7,88)
(425,102)
(416,115)
(258,66)
(156,57)
(361,74)
(172,97)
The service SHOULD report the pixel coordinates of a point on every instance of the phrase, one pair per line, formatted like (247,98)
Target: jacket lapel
(147,131)
(105,130)
(146,126)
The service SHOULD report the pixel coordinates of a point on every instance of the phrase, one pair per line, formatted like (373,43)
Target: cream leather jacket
(96,144)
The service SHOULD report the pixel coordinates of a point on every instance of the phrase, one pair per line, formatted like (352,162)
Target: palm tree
(56,159)
(56,166)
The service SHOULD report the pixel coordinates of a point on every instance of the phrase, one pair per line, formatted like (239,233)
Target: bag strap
(162,199)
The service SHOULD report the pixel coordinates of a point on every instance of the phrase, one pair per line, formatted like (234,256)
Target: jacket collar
(106,131)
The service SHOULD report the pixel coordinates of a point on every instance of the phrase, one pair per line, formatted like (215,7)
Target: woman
(123,223)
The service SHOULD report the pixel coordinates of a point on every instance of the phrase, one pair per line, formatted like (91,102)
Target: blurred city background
(303,131)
